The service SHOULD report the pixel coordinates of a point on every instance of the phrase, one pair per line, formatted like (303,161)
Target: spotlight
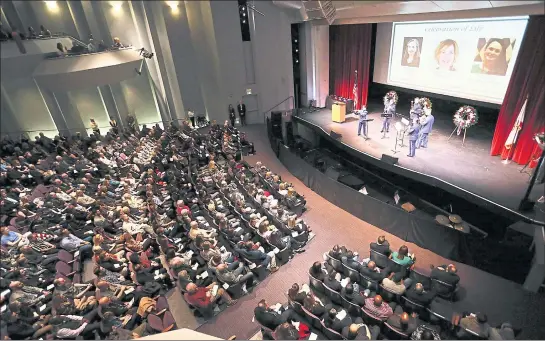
(244,21)
(297,60)
(243,8)
(243,14)
(295,40)
(145,53)
(296,50)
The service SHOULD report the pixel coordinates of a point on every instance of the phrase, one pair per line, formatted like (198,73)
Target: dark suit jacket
(424,298)
(444,276)
(376,276)
(383,248)
(336,324)
(333,284)
(395,322)
(267,317)
(355,297)
(241,108)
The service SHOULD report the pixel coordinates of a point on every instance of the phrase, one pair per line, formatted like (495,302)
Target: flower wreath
(426,103)
(390,95)
(465,117)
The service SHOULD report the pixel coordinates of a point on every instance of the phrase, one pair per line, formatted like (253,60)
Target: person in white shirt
(191,115)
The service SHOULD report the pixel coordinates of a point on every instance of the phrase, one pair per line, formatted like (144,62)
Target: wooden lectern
(338,112)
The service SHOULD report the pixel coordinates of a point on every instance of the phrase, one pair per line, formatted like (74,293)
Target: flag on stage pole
(513,135)
(355,90)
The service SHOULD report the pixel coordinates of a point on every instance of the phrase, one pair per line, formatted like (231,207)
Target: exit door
(252,109)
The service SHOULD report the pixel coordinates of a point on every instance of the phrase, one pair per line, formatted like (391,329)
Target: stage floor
(469,167)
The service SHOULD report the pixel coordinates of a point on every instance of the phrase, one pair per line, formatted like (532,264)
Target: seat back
(371,319)
(353,309)
(369,283)
(63,268)
(316,283)
(419,277)
(380,260)
(389,296)
(283,256)
(393,334)
(411,306)
(353,274)
(235,290)
(330,333)
(334,296)
(335,263)
(443,289)
(313,319)
(297,307)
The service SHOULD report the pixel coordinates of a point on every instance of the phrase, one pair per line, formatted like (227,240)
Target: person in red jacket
(204,297)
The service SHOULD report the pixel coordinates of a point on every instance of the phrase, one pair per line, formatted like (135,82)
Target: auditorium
(272,170)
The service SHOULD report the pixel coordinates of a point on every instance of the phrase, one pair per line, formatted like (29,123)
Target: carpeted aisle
(500,299)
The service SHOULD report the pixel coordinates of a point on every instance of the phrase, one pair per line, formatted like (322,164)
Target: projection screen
(469,58)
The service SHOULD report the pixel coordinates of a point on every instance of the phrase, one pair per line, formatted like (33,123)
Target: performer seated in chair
(362,123)
(390,110)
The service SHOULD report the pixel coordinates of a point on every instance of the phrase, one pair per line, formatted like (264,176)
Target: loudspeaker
(332,173)
(335,135)
(389,159)
(276,117)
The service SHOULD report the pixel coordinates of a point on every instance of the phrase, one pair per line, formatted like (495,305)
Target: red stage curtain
(528,79)
(350,50)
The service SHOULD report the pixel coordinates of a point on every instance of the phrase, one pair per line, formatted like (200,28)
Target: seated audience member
(396,284)
(417,294)
(381,246)
(360,331)
(205,297)
(317,272)
(402,257)
(376,307)
(286,331)
(314,305)
(424,332)
(351,260)
(12,239)
(445,273)
(235,276)
(297,294)
(332,281)
(69,242)
(477,323)
(270,317)
(372,272)
(352,296)
(404,323)
(332,321)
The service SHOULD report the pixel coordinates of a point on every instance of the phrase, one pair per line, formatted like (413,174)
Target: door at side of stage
(252,109)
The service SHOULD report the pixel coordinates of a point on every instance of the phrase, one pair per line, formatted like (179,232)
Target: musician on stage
(362,122)
(426,123)
(416,110)
(413,130)
(390,110)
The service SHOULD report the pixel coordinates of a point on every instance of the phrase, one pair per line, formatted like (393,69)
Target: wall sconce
(52,6)
(173,6)
(116,6)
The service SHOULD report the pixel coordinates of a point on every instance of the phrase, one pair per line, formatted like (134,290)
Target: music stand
(400,134)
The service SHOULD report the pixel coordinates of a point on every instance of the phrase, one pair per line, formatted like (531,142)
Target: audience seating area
(146,212)
(381,299)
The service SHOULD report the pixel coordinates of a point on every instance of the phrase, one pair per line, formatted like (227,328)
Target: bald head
(419,288)
(451,268)
(353,328)
(222,267)
(377,300)
(103,301)
(405,318)
(191,288)
(371,265)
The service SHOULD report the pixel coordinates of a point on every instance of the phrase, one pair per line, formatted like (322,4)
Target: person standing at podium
(362,122)
(389,111)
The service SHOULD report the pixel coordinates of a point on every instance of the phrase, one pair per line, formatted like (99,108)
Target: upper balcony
(75,68)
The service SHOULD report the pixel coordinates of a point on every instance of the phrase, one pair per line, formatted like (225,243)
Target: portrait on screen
(446,54)
(493,56)
(411,51)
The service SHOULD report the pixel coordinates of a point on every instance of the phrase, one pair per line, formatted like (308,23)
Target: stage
(467,171)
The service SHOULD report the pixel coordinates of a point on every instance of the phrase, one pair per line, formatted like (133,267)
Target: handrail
(266,111)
